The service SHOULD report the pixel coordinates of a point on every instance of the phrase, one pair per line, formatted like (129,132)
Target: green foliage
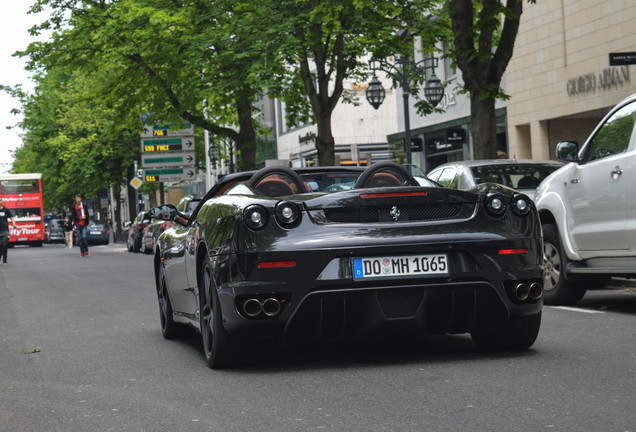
(78,145)
(322,43)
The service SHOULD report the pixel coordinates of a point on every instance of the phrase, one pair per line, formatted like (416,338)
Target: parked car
(54,231)
(587,209)
(524,175)
(151,233)
(263,258)
(97,232)
(135,231)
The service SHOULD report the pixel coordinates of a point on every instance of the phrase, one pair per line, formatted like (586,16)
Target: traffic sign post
(166,130)
(171,159)
(169,175)
(155,145)
(136,182)
(167,154)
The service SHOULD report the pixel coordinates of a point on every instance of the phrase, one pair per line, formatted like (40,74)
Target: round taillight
(495,204)
(520,204)
(256,217)
(287,213)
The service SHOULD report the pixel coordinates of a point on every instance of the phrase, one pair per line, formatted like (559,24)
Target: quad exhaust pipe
(523,292)
(536,291)
(269,307)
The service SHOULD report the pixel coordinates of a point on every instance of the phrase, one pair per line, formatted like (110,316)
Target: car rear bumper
(318,299)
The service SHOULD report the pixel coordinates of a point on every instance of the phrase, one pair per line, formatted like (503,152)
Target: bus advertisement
(22,194)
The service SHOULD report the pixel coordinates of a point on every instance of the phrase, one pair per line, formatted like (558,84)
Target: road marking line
(577,309)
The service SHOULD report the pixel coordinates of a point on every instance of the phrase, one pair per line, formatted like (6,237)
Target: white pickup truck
(588,209)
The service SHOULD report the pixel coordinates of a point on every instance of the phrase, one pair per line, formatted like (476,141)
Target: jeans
(4,245)
(81,238)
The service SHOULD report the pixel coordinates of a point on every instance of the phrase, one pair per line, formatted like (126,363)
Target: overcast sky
(14,36)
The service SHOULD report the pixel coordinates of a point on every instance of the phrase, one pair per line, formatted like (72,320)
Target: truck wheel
(558,288)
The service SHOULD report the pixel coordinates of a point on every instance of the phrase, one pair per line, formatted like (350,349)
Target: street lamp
(215,154)
(403,72)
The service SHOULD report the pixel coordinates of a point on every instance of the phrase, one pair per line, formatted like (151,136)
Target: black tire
(518,334)
(136,243)
(558,288)
(218,346)
(169,328)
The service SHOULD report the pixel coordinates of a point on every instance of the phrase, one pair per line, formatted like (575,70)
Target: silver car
(524,174)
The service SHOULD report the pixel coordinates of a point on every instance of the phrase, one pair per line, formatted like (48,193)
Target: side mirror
(169,213)
(568,151)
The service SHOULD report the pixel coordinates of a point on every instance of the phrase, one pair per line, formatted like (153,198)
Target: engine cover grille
(387,213)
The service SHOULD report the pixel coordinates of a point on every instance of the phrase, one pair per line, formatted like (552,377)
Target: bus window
(19,186)
(27,214)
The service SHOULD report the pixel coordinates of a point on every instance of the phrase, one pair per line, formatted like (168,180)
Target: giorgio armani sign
(604,80)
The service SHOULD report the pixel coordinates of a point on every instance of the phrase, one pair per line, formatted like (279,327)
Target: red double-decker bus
(22,194)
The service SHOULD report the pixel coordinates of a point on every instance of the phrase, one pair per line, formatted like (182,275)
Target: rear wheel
(559,289)
(518,334)
(218,346)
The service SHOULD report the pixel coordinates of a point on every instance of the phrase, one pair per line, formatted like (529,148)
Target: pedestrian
(5,217)
(79,211)
(68,231)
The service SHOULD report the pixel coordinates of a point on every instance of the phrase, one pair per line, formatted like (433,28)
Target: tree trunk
(246,140)
(325,143)
(483,127)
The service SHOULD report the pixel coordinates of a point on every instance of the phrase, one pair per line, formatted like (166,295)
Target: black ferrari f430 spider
(318,254)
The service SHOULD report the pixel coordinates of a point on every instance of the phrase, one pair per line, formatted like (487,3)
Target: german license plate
(399,266)
(96,232)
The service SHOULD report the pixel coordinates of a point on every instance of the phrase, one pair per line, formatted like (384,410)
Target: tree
(484,35)
(324,42)
(165,58)
(76,142)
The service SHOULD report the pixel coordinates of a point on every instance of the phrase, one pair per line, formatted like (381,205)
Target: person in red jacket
(79,212)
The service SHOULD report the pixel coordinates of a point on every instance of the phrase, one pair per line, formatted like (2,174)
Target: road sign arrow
(189,158)
(190,173)
(189,143)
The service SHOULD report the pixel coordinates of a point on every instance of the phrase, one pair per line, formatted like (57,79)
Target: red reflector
(392,194)
(270,264)
(513,251)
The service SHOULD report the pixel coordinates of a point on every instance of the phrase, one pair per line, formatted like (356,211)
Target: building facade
(560,79)
(359,130)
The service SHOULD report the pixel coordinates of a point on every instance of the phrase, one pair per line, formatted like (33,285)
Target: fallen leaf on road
(30,351)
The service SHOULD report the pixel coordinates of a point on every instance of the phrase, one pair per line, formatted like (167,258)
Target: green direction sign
(167,159)
(167,130)
(167,144)
(169,175)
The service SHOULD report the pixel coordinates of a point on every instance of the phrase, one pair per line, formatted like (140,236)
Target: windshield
(516,176)
(97,224)
(330,182)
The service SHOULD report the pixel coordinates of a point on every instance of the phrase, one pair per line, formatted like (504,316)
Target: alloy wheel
(552,264)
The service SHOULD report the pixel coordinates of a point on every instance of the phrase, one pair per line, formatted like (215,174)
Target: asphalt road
(81,350)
